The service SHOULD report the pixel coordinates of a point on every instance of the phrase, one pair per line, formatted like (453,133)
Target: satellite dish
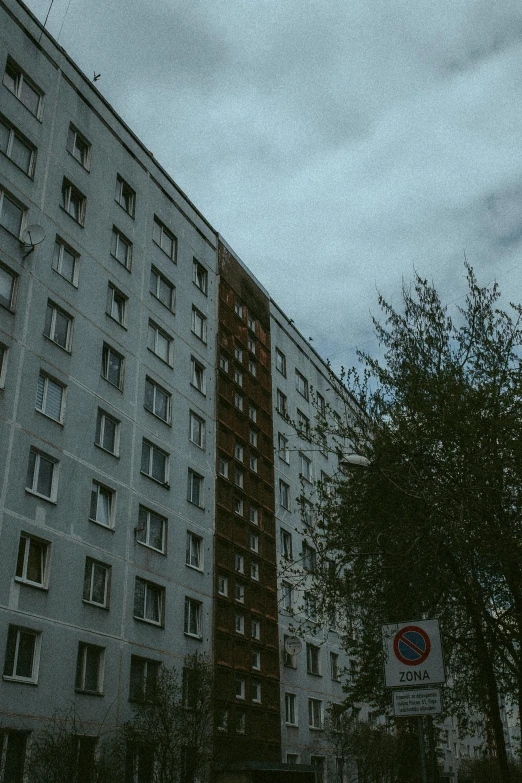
(33,235)
(293,645)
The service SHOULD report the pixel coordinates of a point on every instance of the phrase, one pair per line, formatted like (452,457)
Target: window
(239,623)
(254,570)
(240,723)
(303,425)
(22,654)
(306,512)
(256,691)
(280,362)
(308,555)
(66,261)
(112,366)
(223,467)
(252,413)
(291,709)
(149,601)
(73,202)
(256,660)
(96,583)
(79,147)
(334,666)
(3,364)
(16,147)
(252,368)
(315,713)
(199,324)
(89,668)
(292,758)
(318,762)
(238,478)
(222,585)
(117,304)
(310,605)
(305,467)
(193,617)
(286,544)
(282,444)
(154,462)
(312,659)
(238,506)
(321,405)
(151,530)
(197,375)
(121,248)
(25,90)
(195,488)
(287,592)
(143,678)
(50,397)
(238,377)
(194,552)
(161,288)
(252,437)
(238,401)
(32,560)
(301,384)
(200,276)
(58,326)
(160,343)
(41,475)
(253,515)
(239,563)
(164,239)
(7,288)
(251,344)
(240,688)
(238,309)
(251,322)
(238,353)
(223,362)
(125,196)
(11,214)
(13,747)
(157,400)
(281,403)
(256,629)
(290,660)
(253,542)
(240,593)
(102,505)
(238,451)
(222,720)
(197,430)
(107,433)
(284,494)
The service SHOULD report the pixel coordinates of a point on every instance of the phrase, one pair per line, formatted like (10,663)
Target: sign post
(413,659)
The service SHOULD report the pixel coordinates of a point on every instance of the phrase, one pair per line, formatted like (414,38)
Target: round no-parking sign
(412,654)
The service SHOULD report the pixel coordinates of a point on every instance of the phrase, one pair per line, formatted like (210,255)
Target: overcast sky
(334,144)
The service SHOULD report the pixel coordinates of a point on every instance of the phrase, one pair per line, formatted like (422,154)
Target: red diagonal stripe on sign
(412,645)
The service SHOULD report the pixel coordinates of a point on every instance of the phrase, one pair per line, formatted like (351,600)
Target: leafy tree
(433,526)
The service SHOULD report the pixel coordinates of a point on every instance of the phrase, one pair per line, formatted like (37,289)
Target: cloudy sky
(335,144)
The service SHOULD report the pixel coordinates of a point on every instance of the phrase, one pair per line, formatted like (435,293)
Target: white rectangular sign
(423,701)
(412,654)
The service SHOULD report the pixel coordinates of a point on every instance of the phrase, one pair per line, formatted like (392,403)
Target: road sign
(412,654)
(423,701)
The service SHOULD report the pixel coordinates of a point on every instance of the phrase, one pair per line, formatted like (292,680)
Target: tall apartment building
(152,490)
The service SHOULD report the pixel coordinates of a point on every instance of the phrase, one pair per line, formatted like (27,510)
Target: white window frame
(252,413)
(81,666)
(52,326)
(61,247)
(253,515)
(240,688)
(334,666)
(39,456)
(199,324)
(118,241)
(239,506)
(72,195)
(305,467)
(193,479)
(194,554)
(101,420)
(4,351)
(287,595)
(197,430)
(144,529)
(238,353)
(256,660)
(21,78)
(193,618)
(251,344)
(7,273)
(315,714)
(21,208)
(13,676)
(154,331)
(291,712)
(301,384)
(102,490)
(253,541)
(223,362)
(200,276)
(238,478)
(161,232)
(108,353)
(157,389)
(125,196)
(117,304)
(27,541)
(148,670)
(252,438)
(254,570)
(238,401)
(256,691)
(240,593)
(158,593)
(253,463)
(223,467)
(282,448)
(282,403)
(238,376)
(198,375)
(80,152)
(252,368)
(239,563)
(239,624)
(156,279)
(286,544)
(313,659)
(89,581)
(47,379)
(238,451)
(280,362)
(256,629)
(153,448)
(284,494)
(222,585)
(15,135)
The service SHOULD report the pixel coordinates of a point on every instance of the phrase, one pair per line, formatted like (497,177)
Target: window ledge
(100,524)
(87,693)
(164,484)
(193,636)
(148,622)
(72,218)
(170,309)
(316,728)
(19,680)
(51,418)
(168,423)
(102,448)
(314,674)
(85,168)
(61,347)
(96,606)
(123,326)
(114,385)
(41,497)
(204,393)
(19,580)
(128,268)
(195,568)
(168,363)
(197,505)
(151,548)
(125,210)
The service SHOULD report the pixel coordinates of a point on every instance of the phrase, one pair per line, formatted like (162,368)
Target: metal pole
(422,749)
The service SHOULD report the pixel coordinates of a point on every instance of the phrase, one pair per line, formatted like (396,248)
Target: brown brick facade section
(249,728)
